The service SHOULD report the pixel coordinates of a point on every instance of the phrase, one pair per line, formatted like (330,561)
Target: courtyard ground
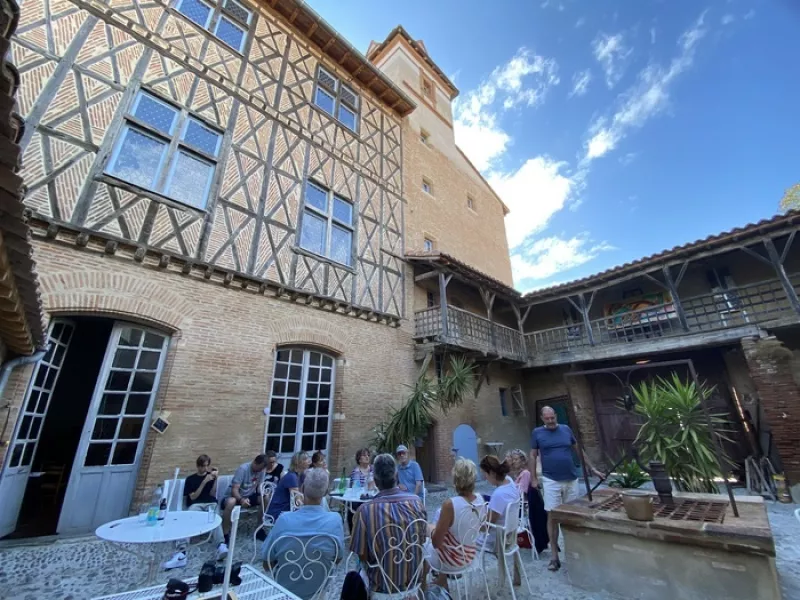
(85,568)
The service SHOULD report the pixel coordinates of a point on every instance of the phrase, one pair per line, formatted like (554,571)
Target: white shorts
(557,493)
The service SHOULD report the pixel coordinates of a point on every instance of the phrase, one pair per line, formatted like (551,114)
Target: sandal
(554,565)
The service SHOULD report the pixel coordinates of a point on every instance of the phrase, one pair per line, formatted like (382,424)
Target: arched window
(301,401)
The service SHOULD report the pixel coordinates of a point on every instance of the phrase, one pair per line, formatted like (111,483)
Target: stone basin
(695,550)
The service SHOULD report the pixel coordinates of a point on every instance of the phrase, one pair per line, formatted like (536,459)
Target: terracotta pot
(638,505)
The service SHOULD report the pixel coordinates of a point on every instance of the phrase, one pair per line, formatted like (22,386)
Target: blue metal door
(465,441)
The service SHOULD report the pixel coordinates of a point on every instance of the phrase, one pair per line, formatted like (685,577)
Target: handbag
(524,540)
(177,590)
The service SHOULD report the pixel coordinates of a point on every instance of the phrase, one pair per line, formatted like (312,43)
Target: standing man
(559,475)
(409,473)
(243,491)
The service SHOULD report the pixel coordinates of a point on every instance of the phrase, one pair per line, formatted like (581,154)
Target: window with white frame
(427,245)
(427,186)
(167,150)
(228,20)
(327,227)
(337,99)
(301,402)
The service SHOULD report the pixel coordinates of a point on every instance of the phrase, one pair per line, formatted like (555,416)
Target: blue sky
(613,129)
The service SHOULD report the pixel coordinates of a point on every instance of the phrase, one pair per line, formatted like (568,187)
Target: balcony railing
(470,331)
(745,305)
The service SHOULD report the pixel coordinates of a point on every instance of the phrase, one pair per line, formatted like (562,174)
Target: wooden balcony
(710,318)
(464,330)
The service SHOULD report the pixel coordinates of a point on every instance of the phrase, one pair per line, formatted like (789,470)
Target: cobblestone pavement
(85,568)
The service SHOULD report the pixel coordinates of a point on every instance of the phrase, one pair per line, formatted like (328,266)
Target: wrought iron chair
(524,526)
(505,548)
(465,553)
(305,565)
(267,491)
(393,545)
(797,514)
(296,500)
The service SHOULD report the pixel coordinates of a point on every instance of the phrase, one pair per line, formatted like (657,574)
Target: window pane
(33,400)
(149,360)
(111,404)
(341,245)
(24,428)
(347,117)
(190,180)
(153,340)
(201,137)
(229,33)
(118,381)
(27,457)
(158,115)
(138,158)
(342,210)
(131,429)
(125,453)
(273,443)
(16,455)
(137,404)
(97,455)
(36,424)
(324,100)
(238,11)
(196,11)
(327,80)
(130,337)
(124,359)
(316,197)
(312,237)
(143,382)
(348,96)
(104,429)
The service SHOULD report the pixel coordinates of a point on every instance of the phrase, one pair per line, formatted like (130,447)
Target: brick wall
(218,372)
(770,365)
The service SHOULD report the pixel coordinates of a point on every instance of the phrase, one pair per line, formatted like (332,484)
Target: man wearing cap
(409,473)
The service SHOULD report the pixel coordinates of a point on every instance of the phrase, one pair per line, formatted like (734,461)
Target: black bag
(354,588)
(177,590)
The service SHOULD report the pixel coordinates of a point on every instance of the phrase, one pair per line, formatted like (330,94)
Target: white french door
(301,402)
(107,462)
(30,421)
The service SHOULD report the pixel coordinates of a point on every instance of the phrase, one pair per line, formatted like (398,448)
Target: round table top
(352,495)
(178,525)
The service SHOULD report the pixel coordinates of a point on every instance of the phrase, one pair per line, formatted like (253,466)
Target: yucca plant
(628,475)
(675,432)
(415,416)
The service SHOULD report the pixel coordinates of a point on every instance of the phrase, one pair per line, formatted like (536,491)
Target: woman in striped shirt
(452,545)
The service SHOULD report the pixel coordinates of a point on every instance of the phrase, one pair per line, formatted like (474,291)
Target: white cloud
(551,256)
(523,80)
(533,193)
(727,19)
(749,14)
(646,99)
(580,22)
(580,83)
(627,159)
(613,55)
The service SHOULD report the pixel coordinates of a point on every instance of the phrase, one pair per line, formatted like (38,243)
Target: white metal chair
(505,548)
(466,553)
(394,545)
(178,500)
(231,548)
(303,564)
(296,500)
(524,526)
(267,491)
(797,514)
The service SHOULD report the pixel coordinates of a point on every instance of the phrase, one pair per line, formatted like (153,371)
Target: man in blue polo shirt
(409,473)
(555,443)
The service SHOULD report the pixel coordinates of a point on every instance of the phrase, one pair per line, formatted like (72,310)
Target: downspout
(5,373)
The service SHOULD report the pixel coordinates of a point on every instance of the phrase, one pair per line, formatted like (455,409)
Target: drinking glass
(212,512)
(143,508)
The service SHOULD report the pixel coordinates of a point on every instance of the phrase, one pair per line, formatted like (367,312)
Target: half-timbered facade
(216,194)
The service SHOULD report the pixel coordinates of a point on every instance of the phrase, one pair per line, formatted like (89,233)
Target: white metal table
(177,525)
(255,586)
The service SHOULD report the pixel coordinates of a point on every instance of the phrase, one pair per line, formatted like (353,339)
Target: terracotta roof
(22,327)
(713,242)
(462,269)
(331,42)
(376,48)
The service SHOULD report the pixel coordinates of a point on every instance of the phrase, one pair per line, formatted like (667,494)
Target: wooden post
(777,264)
(443,281)
(583,308)
(488,300)
(672,286)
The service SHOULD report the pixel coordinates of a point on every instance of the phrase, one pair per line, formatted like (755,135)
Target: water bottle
(155,505)
(343,482)
(162,511)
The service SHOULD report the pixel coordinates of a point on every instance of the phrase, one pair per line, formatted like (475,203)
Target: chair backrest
(223,483)
(267,491)
(296,500)
(467,528)
(178,499)
(512,521)
(304,565)
(399,556)
(231,547)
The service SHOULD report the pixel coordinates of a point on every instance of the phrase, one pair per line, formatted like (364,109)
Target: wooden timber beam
(424,276)
(777,264)
(345,56)
(425,363)
(328,44)
(583,308)
(672,286)
(312,29)
(294,15)
(481,377)
(443,281)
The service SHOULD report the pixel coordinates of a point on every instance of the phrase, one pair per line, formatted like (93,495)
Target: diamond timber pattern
(263,164)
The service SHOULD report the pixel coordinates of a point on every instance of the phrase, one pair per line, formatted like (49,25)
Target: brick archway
(313,331)
(114,294)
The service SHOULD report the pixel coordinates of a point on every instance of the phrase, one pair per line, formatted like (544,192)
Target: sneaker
(222,551)
(177,561)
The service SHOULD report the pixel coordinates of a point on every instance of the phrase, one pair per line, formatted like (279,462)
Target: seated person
(302,573)
(453,543)
(409,473)
(282,498)
(274,469)
(361,475)
(318,460)
(199,493)
(243,491)
(505,493)
(391,506)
